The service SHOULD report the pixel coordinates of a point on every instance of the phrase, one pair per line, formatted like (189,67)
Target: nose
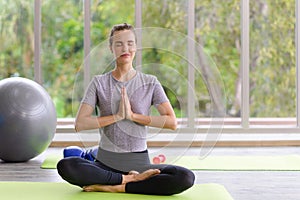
(125,48)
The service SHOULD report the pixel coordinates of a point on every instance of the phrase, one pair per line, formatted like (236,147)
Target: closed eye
(131,43)
(118,44)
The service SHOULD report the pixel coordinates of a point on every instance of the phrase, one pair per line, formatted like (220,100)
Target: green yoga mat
(65,191)
(51,161)
(242,163)
(222,163)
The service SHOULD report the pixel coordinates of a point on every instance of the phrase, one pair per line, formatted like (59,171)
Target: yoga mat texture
(222,163)
(65,191)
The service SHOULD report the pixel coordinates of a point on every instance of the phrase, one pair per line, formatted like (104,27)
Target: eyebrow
(122,42)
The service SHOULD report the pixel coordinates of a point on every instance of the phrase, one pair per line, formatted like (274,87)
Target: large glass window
(217,30)
(16,39)
(272,59)
(62,50)
(164,48)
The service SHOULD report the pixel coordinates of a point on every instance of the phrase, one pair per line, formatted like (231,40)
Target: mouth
(125,55)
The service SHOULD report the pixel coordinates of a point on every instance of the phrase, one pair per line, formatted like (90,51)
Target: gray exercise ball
(27,119)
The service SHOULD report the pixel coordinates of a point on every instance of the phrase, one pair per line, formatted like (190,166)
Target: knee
(65,166)
(182,180)
(62,166)
(188,179)
(185,178)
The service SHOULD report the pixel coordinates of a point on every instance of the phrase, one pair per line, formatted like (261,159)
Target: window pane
(218,32)
(104,15)
(16,39)
(164,52)
(169,14)
(272,59)
(62,50)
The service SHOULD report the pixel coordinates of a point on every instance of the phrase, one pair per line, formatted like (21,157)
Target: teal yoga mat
(221,163)
(65,191)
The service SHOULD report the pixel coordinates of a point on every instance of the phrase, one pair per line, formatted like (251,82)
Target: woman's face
(123,46)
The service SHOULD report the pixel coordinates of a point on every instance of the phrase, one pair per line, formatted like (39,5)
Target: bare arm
(167,118)
(85,120)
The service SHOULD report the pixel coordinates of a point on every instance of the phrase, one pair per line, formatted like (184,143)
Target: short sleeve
(159,95)
(90,96)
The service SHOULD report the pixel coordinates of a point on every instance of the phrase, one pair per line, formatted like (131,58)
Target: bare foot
(104,188)
(146,174)
(134,177)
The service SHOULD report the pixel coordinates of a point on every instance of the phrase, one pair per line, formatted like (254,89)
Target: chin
(124,61)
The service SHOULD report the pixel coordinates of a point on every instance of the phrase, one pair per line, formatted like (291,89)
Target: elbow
(173,127)
(78,126)
(173,124)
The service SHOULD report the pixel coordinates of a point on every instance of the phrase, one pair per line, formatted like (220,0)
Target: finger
(123,94)
(122,91)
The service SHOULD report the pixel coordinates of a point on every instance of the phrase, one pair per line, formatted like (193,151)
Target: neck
(124,72)
(124,68)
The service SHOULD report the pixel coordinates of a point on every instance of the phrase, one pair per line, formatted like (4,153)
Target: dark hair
(120,27)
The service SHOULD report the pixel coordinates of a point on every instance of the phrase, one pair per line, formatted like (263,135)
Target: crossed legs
(92,177)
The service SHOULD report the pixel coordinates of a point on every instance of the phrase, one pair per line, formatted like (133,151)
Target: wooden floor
(242,185)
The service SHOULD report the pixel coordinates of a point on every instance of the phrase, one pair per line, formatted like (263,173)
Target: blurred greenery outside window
(217,30)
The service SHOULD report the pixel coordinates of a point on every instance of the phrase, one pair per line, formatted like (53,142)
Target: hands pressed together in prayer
(166,119)
(125,111)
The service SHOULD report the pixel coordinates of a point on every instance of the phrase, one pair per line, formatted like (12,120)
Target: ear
(110,47)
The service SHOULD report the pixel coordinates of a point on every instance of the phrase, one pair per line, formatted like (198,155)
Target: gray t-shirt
(143,91)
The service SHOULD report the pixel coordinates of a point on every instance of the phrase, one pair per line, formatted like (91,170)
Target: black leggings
(172,179)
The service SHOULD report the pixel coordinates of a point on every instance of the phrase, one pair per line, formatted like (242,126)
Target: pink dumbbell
(159,159)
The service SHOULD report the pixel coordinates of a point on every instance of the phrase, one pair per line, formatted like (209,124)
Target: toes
(86,188)
(90,188)
(132,172)
(153,171)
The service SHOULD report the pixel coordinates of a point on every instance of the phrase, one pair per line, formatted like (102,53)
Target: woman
(124,97)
